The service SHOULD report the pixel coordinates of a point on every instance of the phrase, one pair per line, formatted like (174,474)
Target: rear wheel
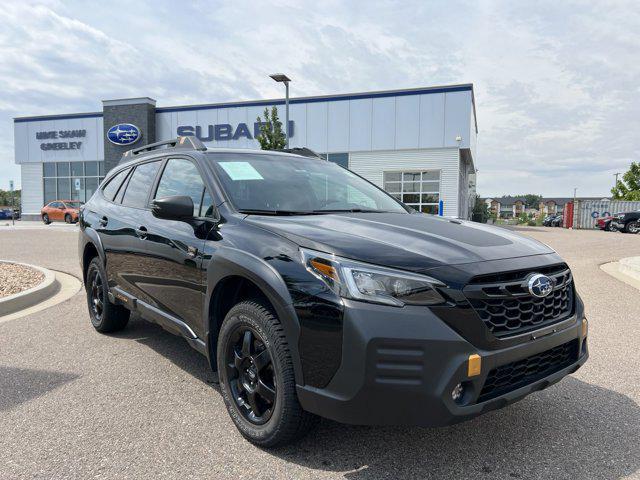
(67,218)
(45,219)
(256,377)
(105,316)
(632,227)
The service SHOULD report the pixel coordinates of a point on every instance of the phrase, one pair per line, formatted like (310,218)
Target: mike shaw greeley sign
(60,134)
(225,131)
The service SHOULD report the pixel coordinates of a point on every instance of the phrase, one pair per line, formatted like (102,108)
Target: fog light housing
(585,327)
(457,393)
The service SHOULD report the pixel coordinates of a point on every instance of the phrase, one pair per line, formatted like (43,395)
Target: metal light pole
(616,175)
(282,78)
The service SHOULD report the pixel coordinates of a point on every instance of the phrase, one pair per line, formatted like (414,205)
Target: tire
(68,219)
(45,219)
(105,316)
(632,227)
(250,366)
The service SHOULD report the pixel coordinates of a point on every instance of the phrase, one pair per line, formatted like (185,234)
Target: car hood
(411,242)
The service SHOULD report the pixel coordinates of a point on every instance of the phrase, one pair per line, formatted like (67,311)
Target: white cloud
(556,82)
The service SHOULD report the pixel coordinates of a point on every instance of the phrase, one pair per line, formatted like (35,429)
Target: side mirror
(177,207)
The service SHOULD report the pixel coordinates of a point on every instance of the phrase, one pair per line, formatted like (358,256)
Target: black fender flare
(227,262)
(89,235)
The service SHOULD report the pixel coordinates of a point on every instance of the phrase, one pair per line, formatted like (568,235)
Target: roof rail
(302,151)
(178,143)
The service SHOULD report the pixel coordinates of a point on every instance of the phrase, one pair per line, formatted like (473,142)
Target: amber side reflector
(585,327)
(475,365)
(324,269)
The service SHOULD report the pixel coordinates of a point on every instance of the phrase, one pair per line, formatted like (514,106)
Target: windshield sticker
(240,171)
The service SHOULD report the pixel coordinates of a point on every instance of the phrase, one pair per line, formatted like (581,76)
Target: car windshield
(74,204)
(288,185)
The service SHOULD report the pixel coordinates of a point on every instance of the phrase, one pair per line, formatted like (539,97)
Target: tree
(480,211)
(629,187)
(5,198)
(531,200)
(271,136)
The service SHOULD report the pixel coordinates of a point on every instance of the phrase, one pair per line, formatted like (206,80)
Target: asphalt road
(140,404)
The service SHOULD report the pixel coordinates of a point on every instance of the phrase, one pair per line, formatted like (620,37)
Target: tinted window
(111,188)
(91,169)
(64,188)
(140,184)
(181,177)
(49,169)
(63,169)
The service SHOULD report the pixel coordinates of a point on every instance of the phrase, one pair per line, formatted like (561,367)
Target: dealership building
(418,144)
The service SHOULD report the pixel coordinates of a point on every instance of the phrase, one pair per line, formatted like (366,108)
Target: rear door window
(139,186)
(111,188)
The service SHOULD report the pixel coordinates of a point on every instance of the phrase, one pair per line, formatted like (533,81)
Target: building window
(71,180)
(418,189)
(341,159)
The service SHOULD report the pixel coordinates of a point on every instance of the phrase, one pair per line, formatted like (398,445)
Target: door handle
(103,221)
(141,232)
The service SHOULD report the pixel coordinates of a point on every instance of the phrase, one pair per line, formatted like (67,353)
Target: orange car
(61,210)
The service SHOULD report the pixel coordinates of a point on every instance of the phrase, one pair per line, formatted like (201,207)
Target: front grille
(512,376)
(507,308)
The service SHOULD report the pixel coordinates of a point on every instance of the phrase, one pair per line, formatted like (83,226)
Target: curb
(28,298)
(630,266)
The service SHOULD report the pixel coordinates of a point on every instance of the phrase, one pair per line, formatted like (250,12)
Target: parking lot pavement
(140,404)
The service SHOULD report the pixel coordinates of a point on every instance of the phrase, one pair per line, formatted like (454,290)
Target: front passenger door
(176,282)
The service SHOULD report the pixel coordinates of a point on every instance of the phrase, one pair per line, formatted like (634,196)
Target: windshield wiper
(351,210)
(250,211)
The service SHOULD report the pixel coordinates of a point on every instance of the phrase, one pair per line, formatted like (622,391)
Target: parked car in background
(553,220)
(627,222)
(606,224)
(61,211)
(6,214)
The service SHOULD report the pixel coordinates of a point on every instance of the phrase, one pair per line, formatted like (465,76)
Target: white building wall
(32,188)
(371,165)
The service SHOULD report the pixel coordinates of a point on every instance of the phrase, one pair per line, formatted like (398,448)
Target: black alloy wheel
(96,295)
(45,219)
(252,377)
(67,218)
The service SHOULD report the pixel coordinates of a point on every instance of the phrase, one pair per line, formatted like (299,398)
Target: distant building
(509,207)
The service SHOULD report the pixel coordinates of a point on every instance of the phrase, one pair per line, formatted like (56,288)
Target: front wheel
(45,219)
(256,377)
(632,227)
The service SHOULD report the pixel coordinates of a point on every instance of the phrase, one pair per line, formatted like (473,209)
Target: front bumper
(399,367)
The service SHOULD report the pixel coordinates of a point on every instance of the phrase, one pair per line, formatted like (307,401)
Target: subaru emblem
(124,134)
(540,285)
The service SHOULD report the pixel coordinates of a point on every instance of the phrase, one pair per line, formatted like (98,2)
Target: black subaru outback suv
(312,292)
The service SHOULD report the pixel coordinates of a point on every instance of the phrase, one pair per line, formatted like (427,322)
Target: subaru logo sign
(540,285)
(124,134)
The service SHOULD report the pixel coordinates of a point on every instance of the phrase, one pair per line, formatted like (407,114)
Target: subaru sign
(124,134)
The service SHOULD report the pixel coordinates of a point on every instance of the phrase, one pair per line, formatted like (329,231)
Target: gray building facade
(418,144)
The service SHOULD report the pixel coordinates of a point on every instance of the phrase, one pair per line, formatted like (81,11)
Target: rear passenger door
(175,282)
(123,221)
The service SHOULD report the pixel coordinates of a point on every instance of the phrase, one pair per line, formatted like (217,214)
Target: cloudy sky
(557,83)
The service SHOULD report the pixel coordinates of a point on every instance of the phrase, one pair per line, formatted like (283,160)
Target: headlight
(369,283)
